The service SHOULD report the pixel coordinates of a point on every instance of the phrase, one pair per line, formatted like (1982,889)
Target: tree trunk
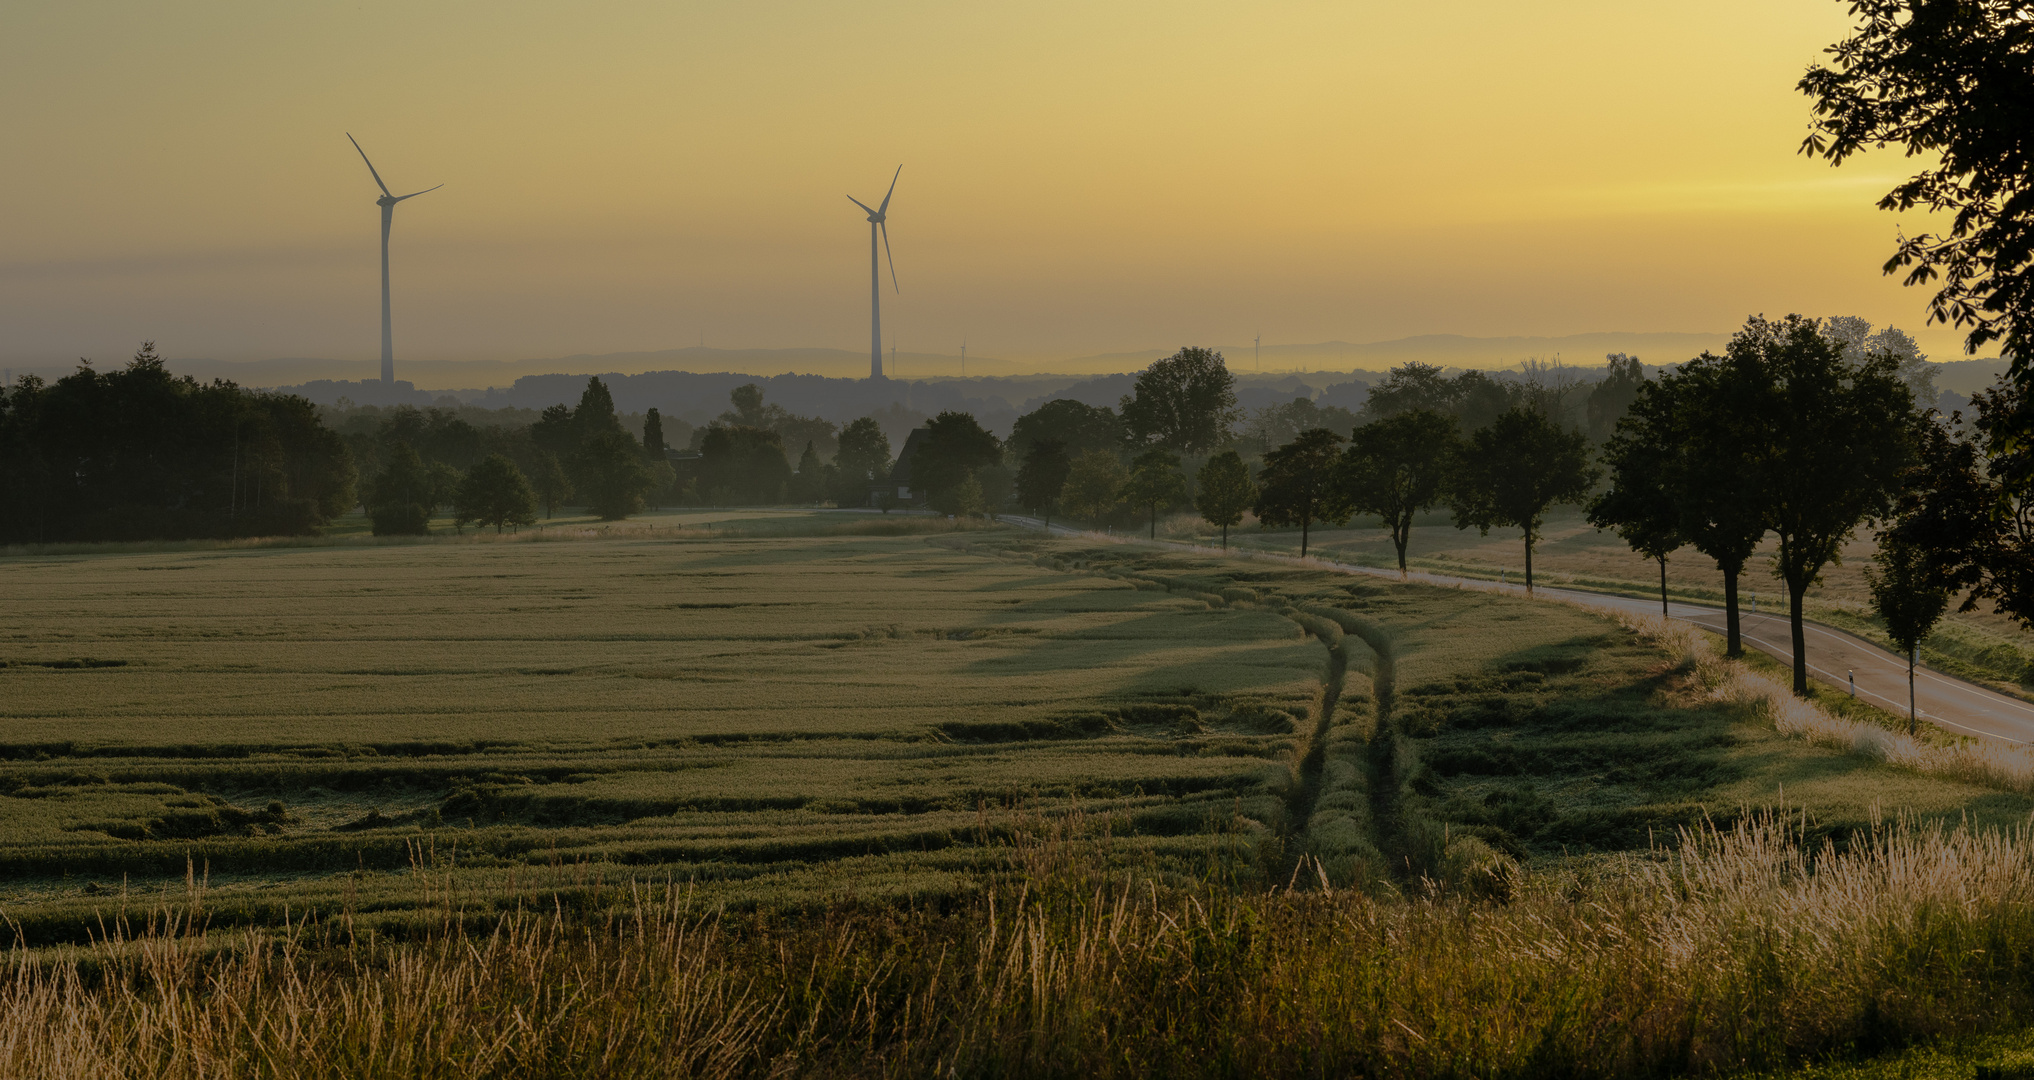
(1225,538)
(1154,520)
(1529,565)
(1401,535)
(1663,586)
(1913,716)
(1733,641)
(1304,522)
(1800,638)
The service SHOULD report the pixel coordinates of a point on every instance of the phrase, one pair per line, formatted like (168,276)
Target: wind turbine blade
(860,203)
(370,166)
(414,194)
(885,226)
(892,191)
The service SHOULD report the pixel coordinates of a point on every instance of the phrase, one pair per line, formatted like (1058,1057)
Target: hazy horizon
(1077,182)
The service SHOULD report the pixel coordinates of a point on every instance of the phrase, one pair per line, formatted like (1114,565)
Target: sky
(1078,178)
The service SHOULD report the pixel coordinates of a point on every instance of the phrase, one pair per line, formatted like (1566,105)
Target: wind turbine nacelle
(386,201)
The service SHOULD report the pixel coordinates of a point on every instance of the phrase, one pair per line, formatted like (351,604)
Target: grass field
(855,771)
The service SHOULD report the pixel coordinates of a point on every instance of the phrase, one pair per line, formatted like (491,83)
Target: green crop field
(782,712)
(837,794)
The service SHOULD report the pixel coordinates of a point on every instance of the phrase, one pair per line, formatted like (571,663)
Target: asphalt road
(1834,657)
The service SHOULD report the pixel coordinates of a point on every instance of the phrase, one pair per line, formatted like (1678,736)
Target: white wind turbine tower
(387,203)
(877,222)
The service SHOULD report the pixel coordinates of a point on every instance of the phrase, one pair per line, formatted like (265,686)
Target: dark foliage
(140,454)
(1510,472)
(1398,467)
(1948,80)
(954,448)
(1185,403)
(1297,484)
(742,466)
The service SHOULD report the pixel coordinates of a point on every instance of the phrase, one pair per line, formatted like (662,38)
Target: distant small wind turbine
(1257,351)
(387,203)
(964,358)
(878,221)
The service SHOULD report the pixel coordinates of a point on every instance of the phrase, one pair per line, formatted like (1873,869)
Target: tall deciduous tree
(1968,502)
(1076,426)
(1155,482)
(1908,594)
(551,483)
(742,465)
(954,447)
(1642,504)
(864,457)
(400,495)
(1042,476)
(1836,437)
(1711,409)
(1398,467)
(809,481)
(1511,472)
(1185,403)
(612,475)
(1223,490)
(1297,485)
(495,493)
(1094,485)
(1948,80)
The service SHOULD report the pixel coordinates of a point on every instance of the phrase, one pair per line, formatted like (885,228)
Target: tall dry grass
(1740,949)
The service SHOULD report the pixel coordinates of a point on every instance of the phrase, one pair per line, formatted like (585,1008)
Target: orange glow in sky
(1078,177)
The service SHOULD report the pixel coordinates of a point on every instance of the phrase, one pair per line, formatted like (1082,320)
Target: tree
(1855,337)
(1950,82)
(809,481)
(399,493)
(1834,438)
(495,493)
(1710,408)
(1223,491)
(595,415)
(960,498)
(1472,398)
(954,447)
(1185,403)
(653,435)
(864,457)
(1622,377)
(1642,503)
(1042,476)
(444,485)
(1511,472)
(1155,481)
(742,465)
(1968,502)
(1093,485)
(1908,595)
(612,475)
(1397,467)
(1074,425)
(551,483)
(1297,484)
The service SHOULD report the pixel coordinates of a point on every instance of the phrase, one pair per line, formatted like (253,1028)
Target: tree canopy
(1223,490)
(1510,472)
(1094,485)
(1185,403)
(1297,485)
(138,453)
(495,492)
(1948,81)
(1398,467)
(1076,426)
(1155,483)
(1042,475)
(954,447)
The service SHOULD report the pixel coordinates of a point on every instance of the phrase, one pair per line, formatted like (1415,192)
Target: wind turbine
(387,203)
(877,222)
